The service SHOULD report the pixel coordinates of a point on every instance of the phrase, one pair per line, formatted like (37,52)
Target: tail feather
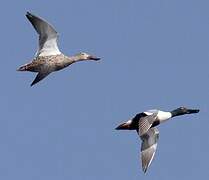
(23,68)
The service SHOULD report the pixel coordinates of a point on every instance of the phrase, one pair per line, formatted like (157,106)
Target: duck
(48,57)
(145,125)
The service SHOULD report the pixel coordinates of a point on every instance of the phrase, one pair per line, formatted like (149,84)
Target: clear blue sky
(155,54)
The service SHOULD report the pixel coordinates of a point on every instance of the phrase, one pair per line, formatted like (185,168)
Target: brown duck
(48,57)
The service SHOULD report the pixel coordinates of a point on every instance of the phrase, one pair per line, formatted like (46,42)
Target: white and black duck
(145,124)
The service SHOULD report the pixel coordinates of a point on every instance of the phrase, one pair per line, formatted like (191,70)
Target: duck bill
(123,126)
(94,58)
(192,111)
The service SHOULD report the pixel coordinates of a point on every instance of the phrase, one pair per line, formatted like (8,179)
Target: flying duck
(145,124)
(48,57)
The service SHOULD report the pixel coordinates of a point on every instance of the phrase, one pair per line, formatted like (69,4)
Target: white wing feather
(47,36)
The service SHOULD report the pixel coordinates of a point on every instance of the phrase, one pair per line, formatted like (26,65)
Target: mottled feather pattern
(49,63)
(48,57)
(44,65)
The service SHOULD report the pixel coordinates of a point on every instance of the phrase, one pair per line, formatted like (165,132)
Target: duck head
(183,110)
(85,56)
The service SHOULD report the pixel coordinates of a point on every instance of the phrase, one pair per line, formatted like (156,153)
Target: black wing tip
(145,170)
(32,84)
(28,14)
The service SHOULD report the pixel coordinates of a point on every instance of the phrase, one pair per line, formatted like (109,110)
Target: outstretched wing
(47,36)
(145,123)
(148,147)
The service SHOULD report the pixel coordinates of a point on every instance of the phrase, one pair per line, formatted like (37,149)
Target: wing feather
(39,77)
(47,36)
(145,123)
(148,147)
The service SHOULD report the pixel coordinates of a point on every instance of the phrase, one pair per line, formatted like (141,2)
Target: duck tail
(23,68)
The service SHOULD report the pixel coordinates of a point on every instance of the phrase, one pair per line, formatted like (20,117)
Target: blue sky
(155,54)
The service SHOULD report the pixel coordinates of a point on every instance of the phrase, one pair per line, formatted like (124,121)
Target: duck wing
(47,36)
(145,123)
(148,147)
(39,77)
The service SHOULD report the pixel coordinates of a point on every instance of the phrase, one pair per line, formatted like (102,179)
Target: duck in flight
(48,57)
(145,124)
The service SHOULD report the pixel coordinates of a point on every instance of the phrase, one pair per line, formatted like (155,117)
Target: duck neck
(176,113)
(77,58)
(72,59)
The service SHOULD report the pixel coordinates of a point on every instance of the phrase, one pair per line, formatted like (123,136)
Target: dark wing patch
(39,77)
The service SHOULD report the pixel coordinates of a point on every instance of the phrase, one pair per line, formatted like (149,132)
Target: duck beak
(123,126)
(94,58)
(192,111)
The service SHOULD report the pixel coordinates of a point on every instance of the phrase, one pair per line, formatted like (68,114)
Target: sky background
(155,54)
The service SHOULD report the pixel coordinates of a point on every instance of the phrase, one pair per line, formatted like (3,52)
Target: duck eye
(182,108)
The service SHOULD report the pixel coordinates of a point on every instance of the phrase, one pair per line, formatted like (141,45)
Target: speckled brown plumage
(48,57)
(48,63)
